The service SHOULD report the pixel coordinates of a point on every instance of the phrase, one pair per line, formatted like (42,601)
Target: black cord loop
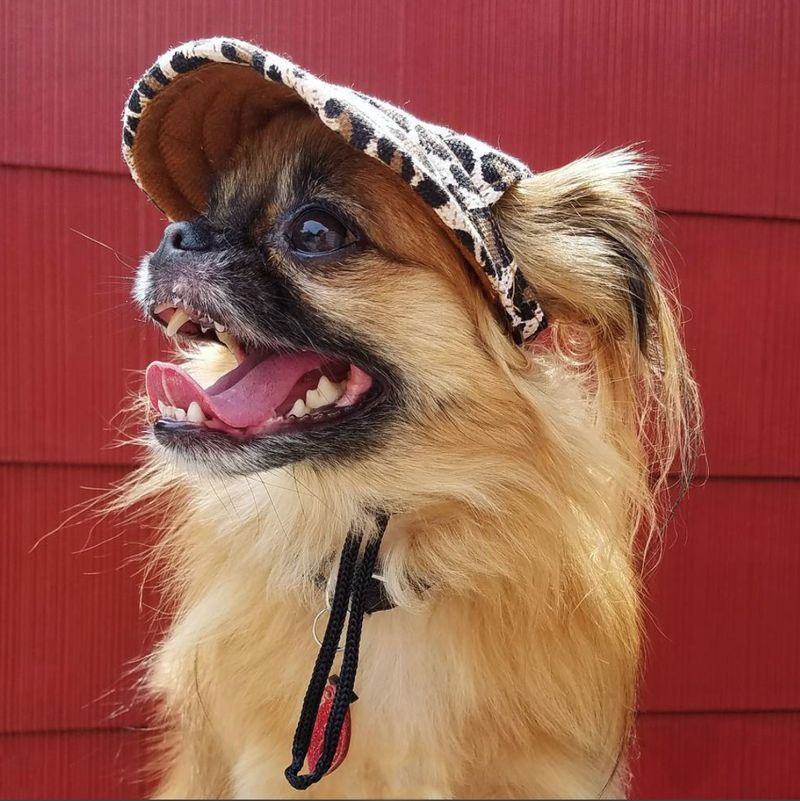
(351,586)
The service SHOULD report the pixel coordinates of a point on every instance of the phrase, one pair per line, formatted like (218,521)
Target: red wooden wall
(710,88)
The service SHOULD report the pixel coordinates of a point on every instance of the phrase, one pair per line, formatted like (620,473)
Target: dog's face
(333,314)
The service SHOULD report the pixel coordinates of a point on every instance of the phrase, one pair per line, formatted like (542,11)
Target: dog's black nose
(191,235)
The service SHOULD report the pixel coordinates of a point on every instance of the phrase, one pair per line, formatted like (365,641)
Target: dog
(341,372)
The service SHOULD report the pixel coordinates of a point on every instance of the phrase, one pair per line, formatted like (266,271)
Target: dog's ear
(586,240)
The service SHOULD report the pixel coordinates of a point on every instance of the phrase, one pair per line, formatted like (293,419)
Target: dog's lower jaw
(513,683)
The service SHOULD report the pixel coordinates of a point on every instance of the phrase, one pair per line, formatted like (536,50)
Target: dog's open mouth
(269,391)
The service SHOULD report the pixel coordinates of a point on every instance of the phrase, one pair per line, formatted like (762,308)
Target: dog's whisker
(119,257)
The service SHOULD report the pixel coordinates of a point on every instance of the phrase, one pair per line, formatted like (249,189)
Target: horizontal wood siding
(709,88)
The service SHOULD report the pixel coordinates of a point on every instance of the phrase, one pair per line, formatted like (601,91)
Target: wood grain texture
(718,756)
(709,88)
(72,619)
(67,383)
(739,285)
(724,607)
(80,764)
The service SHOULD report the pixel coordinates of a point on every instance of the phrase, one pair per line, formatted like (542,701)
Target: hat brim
(186,115)
(191,129)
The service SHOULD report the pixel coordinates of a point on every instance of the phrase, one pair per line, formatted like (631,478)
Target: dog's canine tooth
(219,327)
(162,408)
(176,321)
(194,414)
(228,341)
(329,391)
(314,399)
(299,409)
(180,414)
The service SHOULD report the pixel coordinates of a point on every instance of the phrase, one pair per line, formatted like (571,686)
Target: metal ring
(339,648)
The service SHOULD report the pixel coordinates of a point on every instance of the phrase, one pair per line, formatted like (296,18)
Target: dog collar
(188,112)
(376,598)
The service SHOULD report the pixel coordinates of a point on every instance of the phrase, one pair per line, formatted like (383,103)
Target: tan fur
(517,483)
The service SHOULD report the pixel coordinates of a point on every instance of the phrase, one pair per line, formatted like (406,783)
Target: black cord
(351,586)
(327,653)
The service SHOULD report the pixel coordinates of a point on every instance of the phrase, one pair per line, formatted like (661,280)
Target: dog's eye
(316,231)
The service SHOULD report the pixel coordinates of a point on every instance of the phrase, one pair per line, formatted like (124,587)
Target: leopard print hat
(186,114)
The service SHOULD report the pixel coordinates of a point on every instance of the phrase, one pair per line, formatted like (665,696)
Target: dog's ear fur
(586,240)
(583,237)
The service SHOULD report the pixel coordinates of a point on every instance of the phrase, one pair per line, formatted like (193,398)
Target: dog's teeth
(162,408)
(194,414)
(329,391)
(228,341)
(220,328)
(314,399)
(205,328)
(176,321)
(180,414)
(299,409)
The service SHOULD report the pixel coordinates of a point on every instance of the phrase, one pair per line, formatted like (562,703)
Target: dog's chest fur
(442,711)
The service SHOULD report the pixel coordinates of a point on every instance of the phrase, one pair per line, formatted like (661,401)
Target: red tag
(318,735)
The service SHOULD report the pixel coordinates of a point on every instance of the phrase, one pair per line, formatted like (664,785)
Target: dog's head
(332,319)
(330,306)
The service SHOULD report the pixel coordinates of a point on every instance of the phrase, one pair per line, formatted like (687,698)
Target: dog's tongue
(246,396)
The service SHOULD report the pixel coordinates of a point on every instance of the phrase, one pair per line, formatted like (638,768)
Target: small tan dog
(340,355)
